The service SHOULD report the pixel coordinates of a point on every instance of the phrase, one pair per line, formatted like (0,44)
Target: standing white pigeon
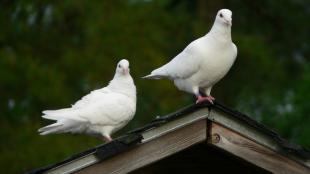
(101,112)
(204,61)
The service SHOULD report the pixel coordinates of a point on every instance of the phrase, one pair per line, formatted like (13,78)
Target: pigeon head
(224,16)
(122,67)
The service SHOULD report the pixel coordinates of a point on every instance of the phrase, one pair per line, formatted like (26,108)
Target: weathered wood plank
(245,129)
(74,165)
(249,132)
(253,152)
(152,150)
(175,124)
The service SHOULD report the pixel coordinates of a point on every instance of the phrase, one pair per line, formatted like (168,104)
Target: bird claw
(201,99)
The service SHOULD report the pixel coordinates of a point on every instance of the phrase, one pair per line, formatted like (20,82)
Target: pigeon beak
(228,22)
(125,71)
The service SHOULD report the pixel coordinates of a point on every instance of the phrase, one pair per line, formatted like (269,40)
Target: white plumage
(101,112)
(204,61)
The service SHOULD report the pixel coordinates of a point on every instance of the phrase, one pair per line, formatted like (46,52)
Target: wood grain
(253,152)
(151,151)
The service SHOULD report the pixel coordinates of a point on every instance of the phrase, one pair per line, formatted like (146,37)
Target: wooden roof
(216,125)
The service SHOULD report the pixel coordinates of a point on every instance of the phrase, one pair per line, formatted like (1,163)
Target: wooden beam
(242,128)
(175,124)
(250,132)
(152,150)
(253,152)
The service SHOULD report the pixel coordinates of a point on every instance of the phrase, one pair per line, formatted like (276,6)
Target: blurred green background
(54,52)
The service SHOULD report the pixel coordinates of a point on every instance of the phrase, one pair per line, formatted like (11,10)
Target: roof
(217,113)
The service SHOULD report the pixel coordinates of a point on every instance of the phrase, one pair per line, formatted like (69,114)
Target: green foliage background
(54,52)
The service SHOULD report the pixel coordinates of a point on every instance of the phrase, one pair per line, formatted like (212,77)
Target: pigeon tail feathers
(67,113)
(52,128)
(151,76)
(62,126)
(156,74)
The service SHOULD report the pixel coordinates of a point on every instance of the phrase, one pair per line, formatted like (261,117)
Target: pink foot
(212,98)
(201,99)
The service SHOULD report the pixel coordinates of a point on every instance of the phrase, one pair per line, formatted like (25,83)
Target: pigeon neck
(123,84)
(221,31)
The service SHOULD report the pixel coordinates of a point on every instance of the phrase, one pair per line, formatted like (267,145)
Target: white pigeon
(100,113)
(204,61)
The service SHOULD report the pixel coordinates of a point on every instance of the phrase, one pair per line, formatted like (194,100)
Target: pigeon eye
(221,15)
(119,66)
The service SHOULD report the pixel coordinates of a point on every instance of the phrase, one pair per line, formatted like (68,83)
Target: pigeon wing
(91,97)
(183,66)
(111,109)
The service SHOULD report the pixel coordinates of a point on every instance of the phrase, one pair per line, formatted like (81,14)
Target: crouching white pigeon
(100,113)
(204,61)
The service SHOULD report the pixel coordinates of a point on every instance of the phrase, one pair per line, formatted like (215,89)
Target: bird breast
(215,61)
(215,64)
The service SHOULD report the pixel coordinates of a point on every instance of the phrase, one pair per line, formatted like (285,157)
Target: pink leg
(106,138)
(201,99)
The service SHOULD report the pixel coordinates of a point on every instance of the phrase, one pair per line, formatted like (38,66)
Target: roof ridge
(132,138)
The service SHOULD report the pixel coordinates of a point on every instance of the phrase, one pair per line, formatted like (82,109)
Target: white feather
(102,111)
(204,61)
